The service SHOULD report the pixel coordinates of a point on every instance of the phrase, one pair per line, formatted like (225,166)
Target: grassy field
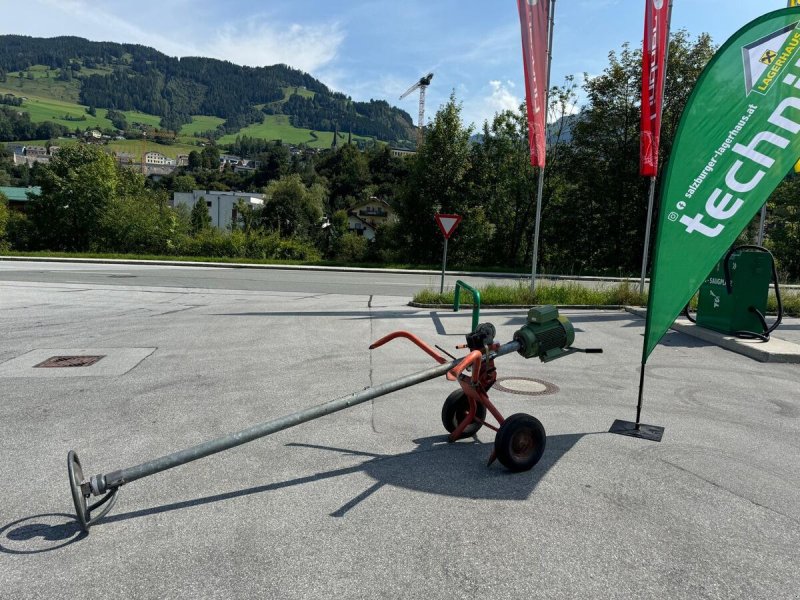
(43,84)
(201,123)
(48,109)
(277,127)
(300,91)
(134,116)
(135,147)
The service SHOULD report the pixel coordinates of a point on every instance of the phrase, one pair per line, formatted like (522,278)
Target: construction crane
(422,84)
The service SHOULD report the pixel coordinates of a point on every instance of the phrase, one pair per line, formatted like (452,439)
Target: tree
(184,183)
(292,208)
(77,186)
(201,218)
(195,160)
(3,222)
(437,182)
(210,157)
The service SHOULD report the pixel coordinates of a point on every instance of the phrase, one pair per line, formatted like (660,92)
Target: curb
(523,306)
(775,350)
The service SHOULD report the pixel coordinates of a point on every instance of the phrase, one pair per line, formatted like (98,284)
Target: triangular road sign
(448,224)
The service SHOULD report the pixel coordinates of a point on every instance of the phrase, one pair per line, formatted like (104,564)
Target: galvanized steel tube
(118,478)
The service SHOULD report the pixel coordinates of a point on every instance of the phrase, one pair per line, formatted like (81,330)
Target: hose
(768,329)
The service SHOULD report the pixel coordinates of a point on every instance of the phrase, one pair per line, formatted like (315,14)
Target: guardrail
(476,302)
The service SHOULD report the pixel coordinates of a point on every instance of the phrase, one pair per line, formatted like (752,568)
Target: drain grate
(526,386)
(68,361)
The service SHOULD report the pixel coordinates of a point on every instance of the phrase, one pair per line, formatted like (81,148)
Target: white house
(221,205)
(156,158)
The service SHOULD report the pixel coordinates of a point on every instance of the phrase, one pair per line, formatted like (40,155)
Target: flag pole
(652,194)
(540,186)
(761,225)
(637,429)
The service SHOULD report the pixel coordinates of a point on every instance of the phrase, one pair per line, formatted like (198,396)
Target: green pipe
(476,303)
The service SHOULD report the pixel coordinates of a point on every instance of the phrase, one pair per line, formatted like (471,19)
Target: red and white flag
(656,38)
(533,15)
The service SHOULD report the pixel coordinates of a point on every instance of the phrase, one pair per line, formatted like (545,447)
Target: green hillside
(60,77)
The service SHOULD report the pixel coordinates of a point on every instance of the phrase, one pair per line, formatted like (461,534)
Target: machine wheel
(456,409)
(520,442)
(75,474)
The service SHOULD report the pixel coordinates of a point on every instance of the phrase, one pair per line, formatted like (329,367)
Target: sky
(376,49)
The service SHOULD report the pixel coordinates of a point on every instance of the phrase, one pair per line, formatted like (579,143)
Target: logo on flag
(765,58)
(768,57)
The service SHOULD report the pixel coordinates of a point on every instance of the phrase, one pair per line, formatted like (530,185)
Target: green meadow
(201,123)
(277,127)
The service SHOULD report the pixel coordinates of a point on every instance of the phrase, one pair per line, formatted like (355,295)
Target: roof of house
(372,200)
(19,194)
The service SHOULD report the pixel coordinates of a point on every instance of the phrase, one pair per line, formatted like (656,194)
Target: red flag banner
(656,32)
(533,15)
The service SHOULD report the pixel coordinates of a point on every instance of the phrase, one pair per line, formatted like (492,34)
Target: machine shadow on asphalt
(434,467)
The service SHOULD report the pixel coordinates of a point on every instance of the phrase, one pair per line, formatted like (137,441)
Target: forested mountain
(134,77)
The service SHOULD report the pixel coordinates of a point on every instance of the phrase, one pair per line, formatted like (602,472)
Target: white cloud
(306,47)
(256,42)
(500,96)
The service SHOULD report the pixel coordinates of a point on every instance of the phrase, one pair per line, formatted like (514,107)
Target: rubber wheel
(520,442)
(456,409)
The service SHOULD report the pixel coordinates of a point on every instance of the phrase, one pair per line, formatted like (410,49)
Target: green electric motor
(546,334)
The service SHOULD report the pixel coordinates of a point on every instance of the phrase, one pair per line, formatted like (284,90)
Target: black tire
(456,409)
(520,442)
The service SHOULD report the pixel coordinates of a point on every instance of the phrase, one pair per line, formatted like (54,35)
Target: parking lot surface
(372,502)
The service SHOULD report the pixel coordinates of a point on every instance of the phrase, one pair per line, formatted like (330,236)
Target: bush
(351,247)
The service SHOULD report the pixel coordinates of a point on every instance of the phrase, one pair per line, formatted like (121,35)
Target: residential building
(35,151)
(18,197)
(229,159)
(401,152)
(156,158)
(365,218)
(182,160)
(221,205)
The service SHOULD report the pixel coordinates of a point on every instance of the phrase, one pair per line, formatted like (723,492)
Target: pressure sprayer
(519,440)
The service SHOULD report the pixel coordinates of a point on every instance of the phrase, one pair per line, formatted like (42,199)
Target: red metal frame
(475,386)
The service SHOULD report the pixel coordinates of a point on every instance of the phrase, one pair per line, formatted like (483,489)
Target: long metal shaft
(647,232)
(540,188)
(102,483)
(537,224)
(653,178)
(762,225)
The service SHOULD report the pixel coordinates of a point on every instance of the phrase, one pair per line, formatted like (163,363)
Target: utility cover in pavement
(115,361)
(56,362)
(526,386)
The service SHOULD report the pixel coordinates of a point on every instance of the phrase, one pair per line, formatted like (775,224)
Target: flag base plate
(654,433)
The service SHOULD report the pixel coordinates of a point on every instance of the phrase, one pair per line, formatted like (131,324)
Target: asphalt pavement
(371,502)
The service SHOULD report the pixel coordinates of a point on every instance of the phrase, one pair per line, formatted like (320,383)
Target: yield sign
(448,224)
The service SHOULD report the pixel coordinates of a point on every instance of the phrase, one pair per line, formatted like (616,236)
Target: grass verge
(546,293)
(575,294)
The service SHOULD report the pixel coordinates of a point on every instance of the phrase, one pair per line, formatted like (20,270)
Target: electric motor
(546,334)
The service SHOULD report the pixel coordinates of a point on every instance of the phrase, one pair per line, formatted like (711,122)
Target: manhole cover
(68,361)
(526,386)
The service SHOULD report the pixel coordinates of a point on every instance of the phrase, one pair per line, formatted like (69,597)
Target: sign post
(447,224)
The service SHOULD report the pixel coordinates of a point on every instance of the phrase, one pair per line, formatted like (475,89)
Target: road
(271,280)
(371,502)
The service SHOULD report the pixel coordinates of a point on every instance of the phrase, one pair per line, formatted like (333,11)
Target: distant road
(273,280)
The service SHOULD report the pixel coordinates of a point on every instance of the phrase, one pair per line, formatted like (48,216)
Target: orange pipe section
(410,336)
